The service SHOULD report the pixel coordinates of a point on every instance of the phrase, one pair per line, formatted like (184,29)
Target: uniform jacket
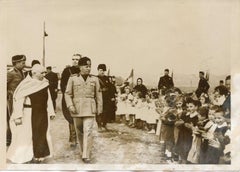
(53,80)
(85,96)
(165,81)
(203,87)
(67,72)
(104,85)
(14,77)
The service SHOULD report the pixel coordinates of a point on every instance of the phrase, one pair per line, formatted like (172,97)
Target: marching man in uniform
(84,101)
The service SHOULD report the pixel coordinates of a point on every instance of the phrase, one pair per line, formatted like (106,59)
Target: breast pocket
(76,88)
(92,86)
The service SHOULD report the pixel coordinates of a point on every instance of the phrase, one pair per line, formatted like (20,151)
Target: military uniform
(14,77)
(112,104)
(86,97)
(106,96)
(203,87)
(53,85)
(165,83)
(67,72)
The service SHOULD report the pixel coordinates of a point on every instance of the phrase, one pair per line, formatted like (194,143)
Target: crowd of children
(194,130)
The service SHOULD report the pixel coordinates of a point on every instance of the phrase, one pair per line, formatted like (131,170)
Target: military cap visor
(102,66)
(18,58)
(49,68)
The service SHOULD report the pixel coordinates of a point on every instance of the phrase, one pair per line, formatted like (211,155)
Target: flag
(131,75)
(172,74)
(108,73)
(207,76)
(131,84)
(45,33)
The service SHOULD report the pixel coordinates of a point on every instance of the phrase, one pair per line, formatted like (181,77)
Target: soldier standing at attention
(53,85)
(203,85)
(67,72)
(84,100)
(105,88)
(14,77)
(165,82)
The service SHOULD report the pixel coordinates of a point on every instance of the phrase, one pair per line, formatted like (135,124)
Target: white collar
(223,125)
(192,115)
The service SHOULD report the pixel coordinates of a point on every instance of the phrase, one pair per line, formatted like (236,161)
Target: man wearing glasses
(66,74)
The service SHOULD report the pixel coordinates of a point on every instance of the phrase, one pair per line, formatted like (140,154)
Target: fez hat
(102,66)
(84,61)
(167,70)
(49,67)
(18,58)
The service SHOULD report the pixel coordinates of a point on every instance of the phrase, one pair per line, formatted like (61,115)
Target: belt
(26,106)
(92,97)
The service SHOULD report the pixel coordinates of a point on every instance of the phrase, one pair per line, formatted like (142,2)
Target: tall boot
(72,135)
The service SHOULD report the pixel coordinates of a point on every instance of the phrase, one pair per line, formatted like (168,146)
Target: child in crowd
(179,105)
(144,113)
(188,120)
(152,114)
(203,125)
(132,110)
(128,100)
(217,140)
(159,104)
(121,105)
(220,93)
(168,119)
(204,100)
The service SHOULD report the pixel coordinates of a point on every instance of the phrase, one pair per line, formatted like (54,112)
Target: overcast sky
(149,36)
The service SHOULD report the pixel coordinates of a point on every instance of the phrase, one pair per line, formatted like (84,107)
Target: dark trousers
(53,97)
(68,117)
(101,120)
(9,133)
(65,111)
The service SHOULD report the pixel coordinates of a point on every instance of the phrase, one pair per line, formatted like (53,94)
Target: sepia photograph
(120,85)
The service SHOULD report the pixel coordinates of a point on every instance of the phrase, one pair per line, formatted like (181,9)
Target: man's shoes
(73,144)
(106,129)
(152,131)
(36,161)
(86,160)
(8,142)
(100,129)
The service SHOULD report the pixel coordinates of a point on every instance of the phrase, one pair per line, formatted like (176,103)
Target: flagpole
(133,79)
(43,60)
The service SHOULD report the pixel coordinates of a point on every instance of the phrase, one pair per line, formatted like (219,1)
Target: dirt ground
(120,145)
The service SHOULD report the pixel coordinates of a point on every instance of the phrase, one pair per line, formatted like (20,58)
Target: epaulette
(91,75)
(10,70)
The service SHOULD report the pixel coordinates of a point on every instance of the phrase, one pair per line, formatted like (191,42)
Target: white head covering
(37,68)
